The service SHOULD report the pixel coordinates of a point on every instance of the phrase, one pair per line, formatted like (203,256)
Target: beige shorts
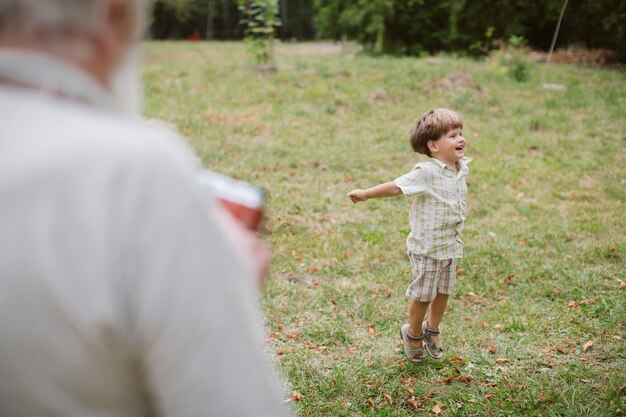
(430,276)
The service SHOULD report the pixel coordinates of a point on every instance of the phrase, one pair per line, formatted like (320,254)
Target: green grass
(545,224)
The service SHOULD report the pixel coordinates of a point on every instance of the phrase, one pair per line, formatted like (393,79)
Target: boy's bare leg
(417,311)
(437,310)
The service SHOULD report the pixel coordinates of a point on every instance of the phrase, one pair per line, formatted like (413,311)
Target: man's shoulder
(67,130)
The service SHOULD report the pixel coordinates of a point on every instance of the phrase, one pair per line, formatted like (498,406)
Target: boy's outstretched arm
(388,189)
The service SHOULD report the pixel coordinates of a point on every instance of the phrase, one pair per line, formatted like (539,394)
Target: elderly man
(121,293)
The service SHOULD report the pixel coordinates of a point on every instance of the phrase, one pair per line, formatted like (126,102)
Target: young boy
(436,220)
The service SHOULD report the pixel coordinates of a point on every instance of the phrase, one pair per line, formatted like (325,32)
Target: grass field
(537,325)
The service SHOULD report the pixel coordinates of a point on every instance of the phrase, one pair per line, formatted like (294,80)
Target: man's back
(115,280)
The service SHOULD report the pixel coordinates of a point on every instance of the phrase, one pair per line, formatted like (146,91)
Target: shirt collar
(49,75)
(462,162)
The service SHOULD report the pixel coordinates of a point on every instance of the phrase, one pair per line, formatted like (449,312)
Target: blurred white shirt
(119,292)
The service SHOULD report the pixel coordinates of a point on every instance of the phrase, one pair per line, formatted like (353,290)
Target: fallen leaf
(508,278)
(498,326)
(491,348)
(313,270)
(294,397)
(587,345)
(309,345)
(456,359)
(488,384)
(295,335)
(622,388)
(280,352)
(622,285)
(486,325)
(560,350)
(413,403)
(585,381)
(388,398)
(426,397)
(490,394)
(506,381)
(371,331)
(371,403)
(502,361)
(572,304)
(437,410)
(542,397)
(463,378)
(588,301)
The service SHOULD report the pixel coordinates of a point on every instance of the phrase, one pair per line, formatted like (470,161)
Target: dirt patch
(457,82)
(597,58)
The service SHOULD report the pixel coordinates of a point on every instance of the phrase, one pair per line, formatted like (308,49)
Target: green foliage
(261,19)
(416,26)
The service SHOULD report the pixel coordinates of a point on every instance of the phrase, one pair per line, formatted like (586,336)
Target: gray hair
(25,17)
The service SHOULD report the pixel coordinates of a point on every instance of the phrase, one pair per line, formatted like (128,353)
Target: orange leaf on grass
(295,335)
(463,378)
(502,361)
(587,345)
(490,394)
(388,398)
(491,348)
(427,397)
(413,403)
(437,410)
(371,403)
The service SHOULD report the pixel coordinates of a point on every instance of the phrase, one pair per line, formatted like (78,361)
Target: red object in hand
(244,201)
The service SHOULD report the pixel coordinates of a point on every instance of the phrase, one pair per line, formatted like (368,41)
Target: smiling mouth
(460,147)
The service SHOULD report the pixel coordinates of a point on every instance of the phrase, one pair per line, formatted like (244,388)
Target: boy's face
(450,147)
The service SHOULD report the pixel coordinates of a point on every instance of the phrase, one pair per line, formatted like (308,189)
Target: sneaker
(434,349)
(414,354)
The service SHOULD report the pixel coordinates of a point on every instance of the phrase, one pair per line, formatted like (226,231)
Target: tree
(260,18)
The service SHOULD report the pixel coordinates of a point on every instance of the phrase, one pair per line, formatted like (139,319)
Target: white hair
(26,17)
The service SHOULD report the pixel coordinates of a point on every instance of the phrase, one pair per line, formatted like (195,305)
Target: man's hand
(357,195)
(254,251)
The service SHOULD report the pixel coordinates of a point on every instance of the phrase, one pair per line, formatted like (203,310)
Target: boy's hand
(357,195)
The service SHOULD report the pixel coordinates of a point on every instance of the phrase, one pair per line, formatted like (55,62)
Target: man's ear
(118,31)
(432,146)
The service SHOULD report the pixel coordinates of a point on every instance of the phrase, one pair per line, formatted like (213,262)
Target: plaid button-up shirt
(438,212)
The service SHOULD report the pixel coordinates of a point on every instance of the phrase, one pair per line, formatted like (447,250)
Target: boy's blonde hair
(431,126)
